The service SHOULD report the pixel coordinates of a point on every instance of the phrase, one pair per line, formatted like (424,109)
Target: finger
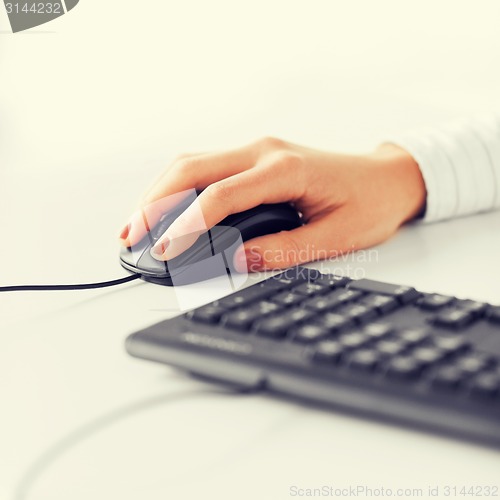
(235,194)
(199,171)
(165,172)
(146,218)
(188,172)
(314,241)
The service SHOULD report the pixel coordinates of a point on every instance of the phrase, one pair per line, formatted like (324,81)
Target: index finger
(196,172)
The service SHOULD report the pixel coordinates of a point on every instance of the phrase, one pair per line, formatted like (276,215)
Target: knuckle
(222,191)
(290,249)
(185,166)
(271,143)
(290,165)
(288,161)
(180,157)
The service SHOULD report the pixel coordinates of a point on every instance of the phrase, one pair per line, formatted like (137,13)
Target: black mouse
(212,254)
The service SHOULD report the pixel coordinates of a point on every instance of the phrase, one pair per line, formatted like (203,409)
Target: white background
(92,107)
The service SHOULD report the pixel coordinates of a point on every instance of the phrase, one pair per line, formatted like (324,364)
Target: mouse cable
(84,286)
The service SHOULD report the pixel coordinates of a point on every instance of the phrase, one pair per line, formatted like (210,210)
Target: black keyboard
(373,348)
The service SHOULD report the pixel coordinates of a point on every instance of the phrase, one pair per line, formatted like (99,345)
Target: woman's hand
(348,202)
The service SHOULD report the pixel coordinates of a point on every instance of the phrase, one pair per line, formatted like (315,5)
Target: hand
(348,202)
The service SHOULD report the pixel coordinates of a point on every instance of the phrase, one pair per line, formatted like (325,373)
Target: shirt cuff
(460,165)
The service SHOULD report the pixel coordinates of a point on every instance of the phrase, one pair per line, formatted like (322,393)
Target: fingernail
(125,231)
(255,262)
(160,247)
(240,260)
(248,259)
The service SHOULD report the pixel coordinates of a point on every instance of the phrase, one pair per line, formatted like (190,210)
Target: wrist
(405,178)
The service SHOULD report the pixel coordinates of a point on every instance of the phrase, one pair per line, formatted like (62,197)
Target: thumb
(314,241)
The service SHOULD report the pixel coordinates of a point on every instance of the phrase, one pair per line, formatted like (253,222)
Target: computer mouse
(212,254)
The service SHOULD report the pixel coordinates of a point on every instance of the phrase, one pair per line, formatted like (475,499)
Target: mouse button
(149,264)
(127,257)
(203,260)
(199,250)
(224,237)
(165,222)
(133,254)
(170,208)
(200,271)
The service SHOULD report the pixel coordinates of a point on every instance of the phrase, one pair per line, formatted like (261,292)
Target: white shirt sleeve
(460,164)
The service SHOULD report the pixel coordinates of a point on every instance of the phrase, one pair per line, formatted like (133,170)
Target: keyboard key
(454,318)
(309,333)
(404,368)
(292,277)
(320,303)
(265,307)
(332,300)
(207,314)
(494,314)
(477,309)
(382,303)
(364,359)
(242,319)
(278,325)
(288,298)
(378,330)
(447,378)
(353,340)
(301,272)
(328,351)
(451,345)
(343,295)
(389,348)
(473,363)
(428,355)
(435,301)
(309,289)
(299,315)
(413,335)
(278,282)
(404,294)
(334,322)
(486,385)
(244,297)
(332,280)
(358,312)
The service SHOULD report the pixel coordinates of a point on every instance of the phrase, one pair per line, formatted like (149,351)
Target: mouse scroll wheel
(163,225)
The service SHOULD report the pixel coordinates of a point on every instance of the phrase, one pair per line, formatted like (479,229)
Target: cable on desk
(88,429)
(84,286)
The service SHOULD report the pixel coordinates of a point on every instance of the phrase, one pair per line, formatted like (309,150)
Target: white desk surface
(92,108)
